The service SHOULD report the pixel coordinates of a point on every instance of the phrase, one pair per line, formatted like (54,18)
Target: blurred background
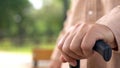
(26,25)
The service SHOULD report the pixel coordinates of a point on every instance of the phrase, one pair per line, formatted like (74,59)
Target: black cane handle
(102,48)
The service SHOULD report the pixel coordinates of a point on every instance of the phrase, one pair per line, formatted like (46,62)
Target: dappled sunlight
(37,4)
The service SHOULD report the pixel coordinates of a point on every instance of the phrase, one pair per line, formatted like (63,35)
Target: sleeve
(112,20)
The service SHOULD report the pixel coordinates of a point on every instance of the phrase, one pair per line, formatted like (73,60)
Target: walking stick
(102,48)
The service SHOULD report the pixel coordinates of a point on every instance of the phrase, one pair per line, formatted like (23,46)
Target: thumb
(73,63)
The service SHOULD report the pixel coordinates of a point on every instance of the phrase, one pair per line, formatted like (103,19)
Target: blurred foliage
(19,21)
(13,18)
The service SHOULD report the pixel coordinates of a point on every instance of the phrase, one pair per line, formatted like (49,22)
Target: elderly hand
(78,42)
(55,64)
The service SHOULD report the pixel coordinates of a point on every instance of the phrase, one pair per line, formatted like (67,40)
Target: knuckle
(72,48)
(65,49)
(83,25)
(86,50)
(84,47)
(59,46)
(92,27)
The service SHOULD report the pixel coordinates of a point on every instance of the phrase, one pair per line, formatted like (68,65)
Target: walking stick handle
(102,48)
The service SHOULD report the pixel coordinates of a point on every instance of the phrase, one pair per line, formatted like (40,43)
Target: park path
(15,60)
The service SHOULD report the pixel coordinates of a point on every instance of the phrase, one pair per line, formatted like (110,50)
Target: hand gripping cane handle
(102,48)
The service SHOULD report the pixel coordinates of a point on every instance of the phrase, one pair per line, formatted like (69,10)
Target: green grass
(27,47)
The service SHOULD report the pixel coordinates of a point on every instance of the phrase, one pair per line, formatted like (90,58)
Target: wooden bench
(40,54)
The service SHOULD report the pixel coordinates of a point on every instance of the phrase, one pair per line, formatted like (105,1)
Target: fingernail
(73,63)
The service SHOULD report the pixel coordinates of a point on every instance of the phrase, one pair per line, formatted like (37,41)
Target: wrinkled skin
(78,42)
